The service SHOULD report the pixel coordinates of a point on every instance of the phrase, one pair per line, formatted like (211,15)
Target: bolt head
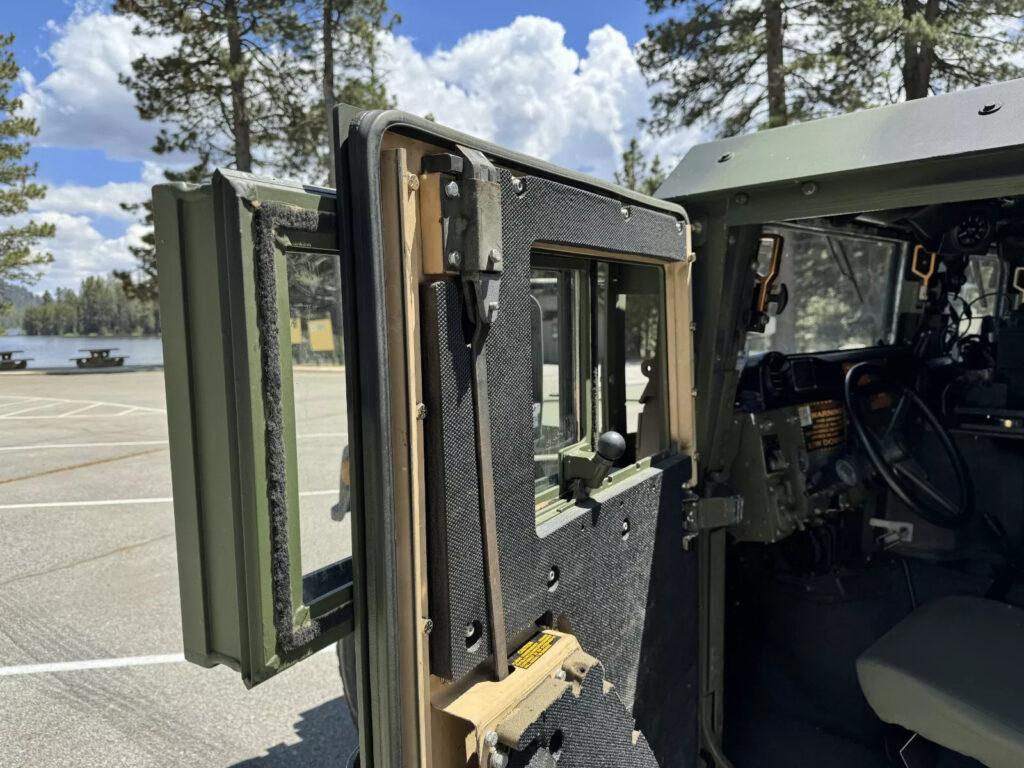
(517,185)
(551,575)
(428,626)
(455,259)
(809,188)
(497,760)
(451,190)
(741,198)
(725,158)
(470,630)
(560,674)
(491,739)
(625,526)
(626,212)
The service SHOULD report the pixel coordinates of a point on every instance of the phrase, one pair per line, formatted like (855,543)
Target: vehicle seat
(953,672)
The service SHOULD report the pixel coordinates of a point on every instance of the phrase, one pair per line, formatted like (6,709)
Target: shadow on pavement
(326,738)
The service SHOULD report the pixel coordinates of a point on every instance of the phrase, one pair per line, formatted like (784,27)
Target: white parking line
(49,446)
(133,443)
(124,661)
(40,403)
(75,666)
(123,502)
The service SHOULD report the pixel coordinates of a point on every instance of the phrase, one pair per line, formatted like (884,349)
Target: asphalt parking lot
(90,634)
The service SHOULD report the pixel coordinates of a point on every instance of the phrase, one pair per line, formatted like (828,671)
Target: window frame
(553,500)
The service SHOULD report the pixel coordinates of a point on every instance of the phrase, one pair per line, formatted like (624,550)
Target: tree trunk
(236,75)
(328,85)
(918,54)
(774,55)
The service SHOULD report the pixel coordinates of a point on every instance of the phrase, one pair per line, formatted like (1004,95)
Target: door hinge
(705,513)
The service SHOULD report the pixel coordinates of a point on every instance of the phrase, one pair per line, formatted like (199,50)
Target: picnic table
(99,357)
(9,363)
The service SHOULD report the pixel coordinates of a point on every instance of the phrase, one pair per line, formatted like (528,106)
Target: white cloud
(105,201)
(79,250)
(520,86)
(81,103)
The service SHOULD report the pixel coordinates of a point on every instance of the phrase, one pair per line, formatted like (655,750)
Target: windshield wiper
(838,251)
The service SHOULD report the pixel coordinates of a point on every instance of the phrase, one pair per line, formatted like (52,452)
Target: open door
(526,333)
(254,341)
(505,348)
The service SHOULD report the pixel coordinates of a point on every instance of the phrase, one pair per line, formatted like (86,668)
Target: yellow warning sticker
(827,427)
(533,649)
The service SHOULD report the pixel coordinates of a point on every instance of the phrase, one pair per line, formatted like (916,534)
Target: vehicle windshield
(841,292)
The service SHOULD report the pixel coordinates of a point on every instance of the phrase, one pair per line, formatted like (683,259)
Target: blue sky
(554,79)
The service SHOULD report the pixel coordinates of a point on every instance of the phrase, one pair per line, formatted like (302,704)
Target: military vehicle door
(526,331)
(254,337)
(517,355)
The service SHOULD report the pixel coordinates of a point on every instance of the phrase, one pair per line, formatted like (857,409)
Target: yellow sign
(321,335)
(296,330)
(528,655)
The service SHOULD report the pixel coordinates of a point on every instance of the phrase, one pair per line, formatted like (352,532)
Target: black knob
(611,445)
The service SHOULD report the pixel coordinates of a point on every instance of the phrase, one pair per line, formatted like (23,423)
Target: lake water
(57,351)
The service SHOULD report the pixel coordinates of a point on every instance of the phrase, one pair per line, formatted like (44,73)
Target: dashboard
(792,462)
(773,380)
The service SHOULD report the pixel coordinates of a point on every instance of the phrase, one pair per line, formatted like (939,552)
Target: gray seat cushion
(953,671)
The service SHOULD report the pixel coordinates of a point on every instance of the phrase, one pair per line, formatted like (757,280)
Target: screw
(560,674)
(517,185)
(495,255)
(551,575)
(697,227)
(428,626)
(990,107)
(679,226)
(470,630)
(491,739)
(451,190)
(626,212)
(625,526)
(413,181)
(496,760)
(726,157)
(809,188)
(455,259)
(742,198)
(421,411)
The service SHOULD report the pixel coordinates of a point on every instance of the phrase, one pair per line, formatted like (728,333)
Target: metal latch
(471,235)
(705,513)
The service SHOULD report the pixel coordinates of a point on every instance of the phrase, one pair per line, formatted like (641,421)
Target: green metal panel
(217,424)
(937,128)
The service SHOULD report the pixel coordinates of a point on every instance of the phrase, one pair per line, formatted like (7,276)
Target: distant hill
(13,301)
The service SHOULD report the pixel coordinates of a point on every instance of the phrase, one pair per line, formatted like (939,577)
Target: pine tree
(734,65)
(636,174)
(231,86)
(910,49)
(344,66)
(20,261)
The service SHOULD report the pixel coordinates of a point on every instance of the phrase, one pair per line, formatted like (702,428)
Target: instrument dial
(973,232)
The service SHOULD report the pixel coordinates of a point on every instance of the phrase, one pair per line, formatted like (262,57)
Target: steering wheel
(891,457)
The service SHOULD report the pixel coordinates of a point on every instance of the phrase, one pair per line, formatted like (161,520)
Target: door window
(598,335)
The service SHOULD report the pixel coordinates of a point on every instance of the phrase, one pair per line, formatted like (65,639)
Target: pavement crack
(93,463)
(84,560)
